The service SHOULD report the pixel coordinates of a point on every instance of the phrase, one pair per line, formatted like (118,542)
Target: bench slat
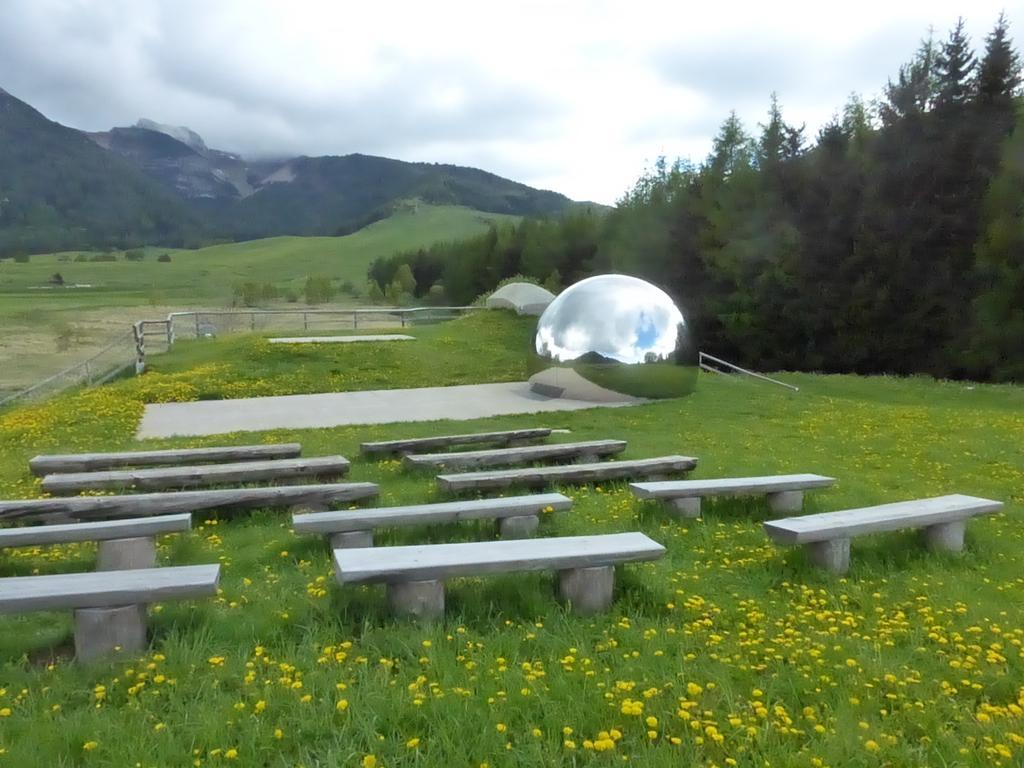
(185,477)
(884,517)
(510,456)
(442,441)
(577,473)
(146,504)
(90,462)
(421,514)
(440,561)
(106,589)
(672,489)
(102,531)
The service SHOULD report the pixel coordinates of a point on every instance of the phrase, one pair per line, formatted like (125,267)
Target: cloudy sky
(577,96)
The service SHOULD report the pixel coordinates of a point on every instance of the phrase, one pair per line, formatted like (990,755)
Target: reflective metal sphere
(612,337)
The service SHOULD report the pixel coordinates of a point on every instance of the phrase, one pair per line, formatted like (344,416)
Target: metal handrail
(702,356)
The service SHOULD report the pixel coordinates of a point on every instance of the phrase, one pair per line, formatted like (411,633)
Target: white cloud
(575,96)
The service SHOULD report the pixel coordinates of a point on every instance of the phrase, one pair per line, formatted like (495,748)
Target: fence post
(252,321)
(305,321)
(88,374)
(170,332)
(140,348)
(196,316)
(355,319)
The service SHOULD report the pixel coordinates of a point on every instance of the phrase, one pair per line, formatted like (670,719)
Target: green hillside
(207,274)
(35,315)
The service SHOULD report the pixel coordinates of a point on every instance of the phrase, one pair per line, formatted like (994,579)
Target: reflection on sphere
(612,337)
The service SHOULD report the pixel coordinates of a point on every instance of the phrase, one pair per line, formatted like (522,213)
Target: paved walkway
(341,339)
(332,409)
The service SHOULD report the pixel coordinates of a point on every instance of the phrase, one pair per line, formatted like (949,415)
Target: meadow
(45,328)
(730,651)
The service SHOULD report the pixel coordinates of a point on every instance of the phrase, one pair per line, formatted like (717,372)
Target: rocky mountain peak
(179,132)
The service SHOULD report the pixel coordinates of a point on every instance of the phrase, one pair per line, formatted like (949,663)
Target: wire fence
(118,356)
(128,351)
(203,324)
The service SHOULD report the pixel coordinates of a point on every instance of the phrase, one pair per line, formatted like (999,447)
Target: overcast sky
(576,96)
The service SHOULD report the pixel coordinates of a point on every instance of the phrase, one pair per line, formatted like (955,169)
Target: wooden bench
(577,474)
(109,606)
(91,462)
(827,535)
(410,445)
(316,496)
(415,575)
(587,451)
(162,478)
(517,516)
(123,544)
(785,492)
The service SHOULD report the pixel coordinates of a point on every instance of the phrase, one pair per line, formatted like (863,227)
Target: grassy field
(43,329)
(729,651)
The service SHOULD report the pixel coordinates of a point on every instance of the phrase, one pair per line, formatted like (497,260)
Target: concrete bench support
(101,632)
(351,539)
(417,599)
(785,502)
(687,508)
(126,554)
(946,537)
(518,527)
(587,590)
(832,555)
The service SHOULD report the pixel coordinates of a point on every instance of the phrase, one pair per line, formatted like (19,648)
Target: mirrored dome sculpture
(613,338)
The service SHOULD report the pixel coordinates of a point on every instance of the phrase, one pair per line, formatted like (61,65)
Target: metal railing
(704,356)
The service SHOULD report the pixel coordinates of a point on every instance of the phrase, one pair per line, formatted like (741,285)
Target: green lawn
(729,651)
(34,315)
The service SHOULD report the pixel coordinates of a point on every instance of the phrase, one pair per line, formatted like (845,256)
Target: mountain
(161,184)
(59,190)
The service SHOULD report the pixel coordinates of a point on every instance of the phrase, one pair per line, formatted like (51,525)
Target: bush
(103,257)
(21,258)
(56,279)
(164,257)
(318,289)
(134,255)
(81,257)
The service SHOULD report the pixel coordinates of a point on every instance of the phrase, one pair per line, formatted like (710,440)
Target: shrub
(164,257)
(318,289)
(134,255)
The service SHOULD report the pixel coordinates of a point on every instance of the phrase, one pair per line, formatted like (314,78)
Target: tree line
(891,242)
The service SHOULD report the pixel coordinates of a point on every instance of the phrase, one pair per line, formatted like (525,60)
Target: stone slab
(441,561)
(106,589)
(731,486)
(576,473)
(334,409)
(422,514)
(341,339)
(106,530)
(504,437)
(199,476)
(146,504)
(90,462)
(528,454)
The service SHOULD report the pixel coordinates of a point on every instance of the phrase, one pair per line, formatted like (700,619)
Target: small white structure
(524,298)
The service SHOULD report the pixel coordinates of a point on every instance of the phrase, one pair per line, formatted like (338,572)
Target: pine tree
(999,73)
(953,68)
